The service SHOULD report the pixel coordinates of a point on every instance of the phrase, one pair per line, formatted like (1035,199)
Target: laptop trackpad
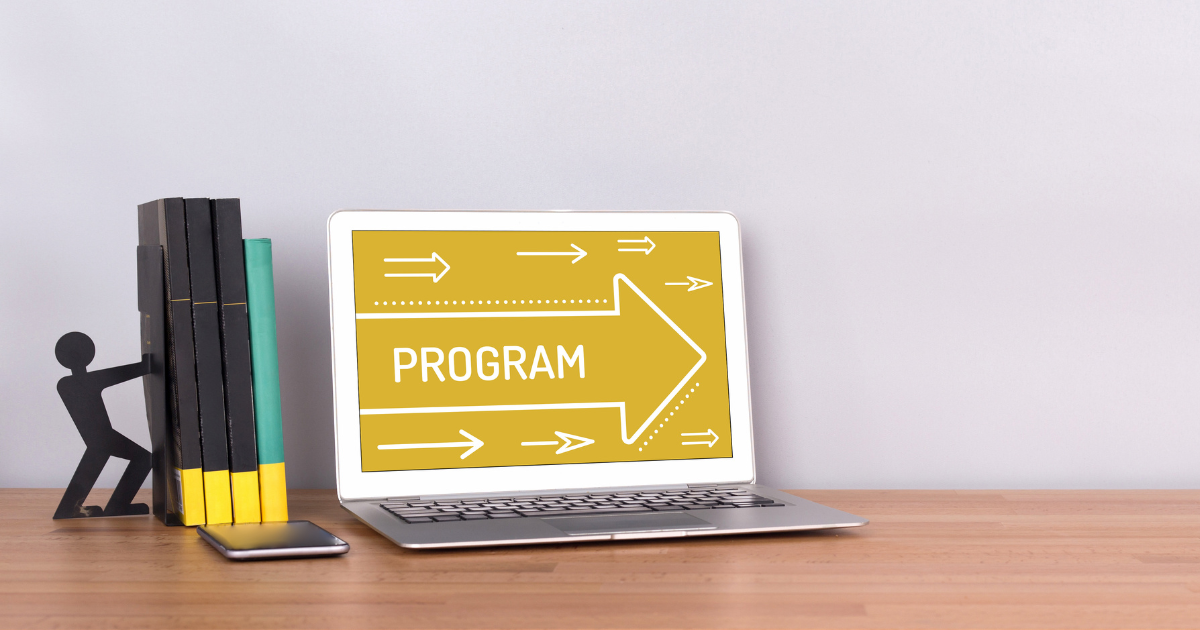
(663,521)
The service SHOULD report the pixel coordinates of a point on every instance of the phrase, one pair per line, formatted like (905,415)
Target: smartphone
(247,541)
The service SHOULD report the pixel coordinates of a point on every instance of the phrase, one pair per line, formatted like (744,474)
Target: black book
(206,331)
(162,223)
(152,305)
(235,346)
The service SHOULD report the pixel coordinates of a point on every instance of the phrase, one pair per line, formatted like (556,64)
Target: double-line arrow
(433,258)
(708,433)
(644,241)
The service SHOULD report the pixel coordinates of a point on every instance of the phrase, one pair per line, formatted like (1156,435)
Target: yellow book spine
(273,486)
(190,484)
(217,502)
(245,497)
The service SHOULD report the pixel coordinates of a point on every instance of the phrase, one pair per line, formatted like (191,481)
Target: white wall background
(972,229)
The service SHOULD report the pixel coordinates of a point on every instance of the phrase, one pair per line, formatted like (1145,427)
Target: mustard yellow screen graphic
(480,349)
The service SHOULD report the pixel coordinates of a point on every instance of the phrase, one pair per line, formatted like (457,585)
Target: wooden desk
(928,559)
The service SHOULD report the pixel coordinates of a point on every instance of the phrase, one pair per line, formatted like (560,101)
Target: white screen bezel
(354,484)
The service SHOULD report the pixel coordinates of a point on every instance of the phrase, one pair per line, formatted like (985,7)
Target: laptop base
(795,515)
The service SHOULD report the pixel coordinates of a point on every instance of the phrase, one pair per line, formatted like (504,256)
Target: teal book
(264,366)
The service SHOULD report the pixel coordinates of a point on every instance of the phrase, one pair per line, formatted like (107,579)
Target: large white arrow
(475,443)
(644,241)
(432,258)
(566,442)
(696,283)
(709,432)
(578,253)
(615,312)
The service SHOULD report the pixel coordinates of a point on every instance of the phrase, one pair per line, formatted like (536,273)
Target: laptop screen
(517,348)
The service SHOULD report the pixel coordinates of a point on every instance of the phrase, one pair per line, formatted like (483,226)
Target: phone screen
(289,535)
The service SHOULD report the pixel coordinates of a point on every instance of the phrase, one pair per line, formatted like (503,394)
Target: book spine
(163,223)
(206,331)
(264,357)
(235,350)
(152,305)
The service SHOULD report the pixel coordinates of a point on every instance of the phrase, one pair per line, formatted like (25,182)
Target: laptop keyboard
(582,504)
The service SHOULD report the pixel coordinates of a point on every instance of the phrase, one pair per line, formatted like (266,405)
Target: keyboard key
(504,515)
(446,517)
(666,508)
(474,517)
(417,519)
(621,510)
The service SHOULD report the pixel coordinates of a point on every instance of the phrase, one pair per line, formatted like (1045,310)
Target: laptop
(507,378)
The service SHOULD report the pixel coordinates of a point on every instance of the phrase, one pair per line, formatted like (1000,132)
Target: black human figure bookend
(80,392)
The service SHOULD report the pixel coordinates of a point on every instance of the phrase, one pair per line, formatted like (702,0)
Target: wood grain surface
(929,559)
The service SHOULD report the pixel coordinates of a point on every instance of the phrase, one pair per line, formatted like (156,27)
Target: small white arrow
(644,241)
(433,258)
(696,283)
(578,253)
(566,442)
(709,432)
(475,443)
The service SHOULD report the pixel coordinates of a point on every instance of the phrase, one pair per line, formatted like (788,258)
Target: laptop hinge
(559,491)
(517,493)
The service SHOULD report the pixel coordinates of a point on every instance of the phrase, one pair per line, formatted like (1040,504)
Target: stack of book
(207,299)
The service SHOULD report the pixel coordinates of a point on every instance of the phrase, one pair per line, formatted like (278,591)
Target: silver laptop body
(795,514)
(493,516)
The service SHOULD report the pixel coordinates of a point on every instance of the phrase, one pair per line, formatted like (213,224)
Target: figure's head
(75,350)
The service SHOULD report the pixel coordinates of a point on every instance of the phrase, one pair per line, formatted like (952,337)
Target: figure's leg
(140,463)
(85,476)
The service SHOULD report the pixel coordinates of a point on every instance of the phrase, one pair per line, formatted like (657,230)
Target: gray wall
(971,229)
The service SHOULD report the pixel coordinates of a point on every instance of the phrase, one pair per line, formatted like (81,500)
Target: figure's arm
(121,373)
